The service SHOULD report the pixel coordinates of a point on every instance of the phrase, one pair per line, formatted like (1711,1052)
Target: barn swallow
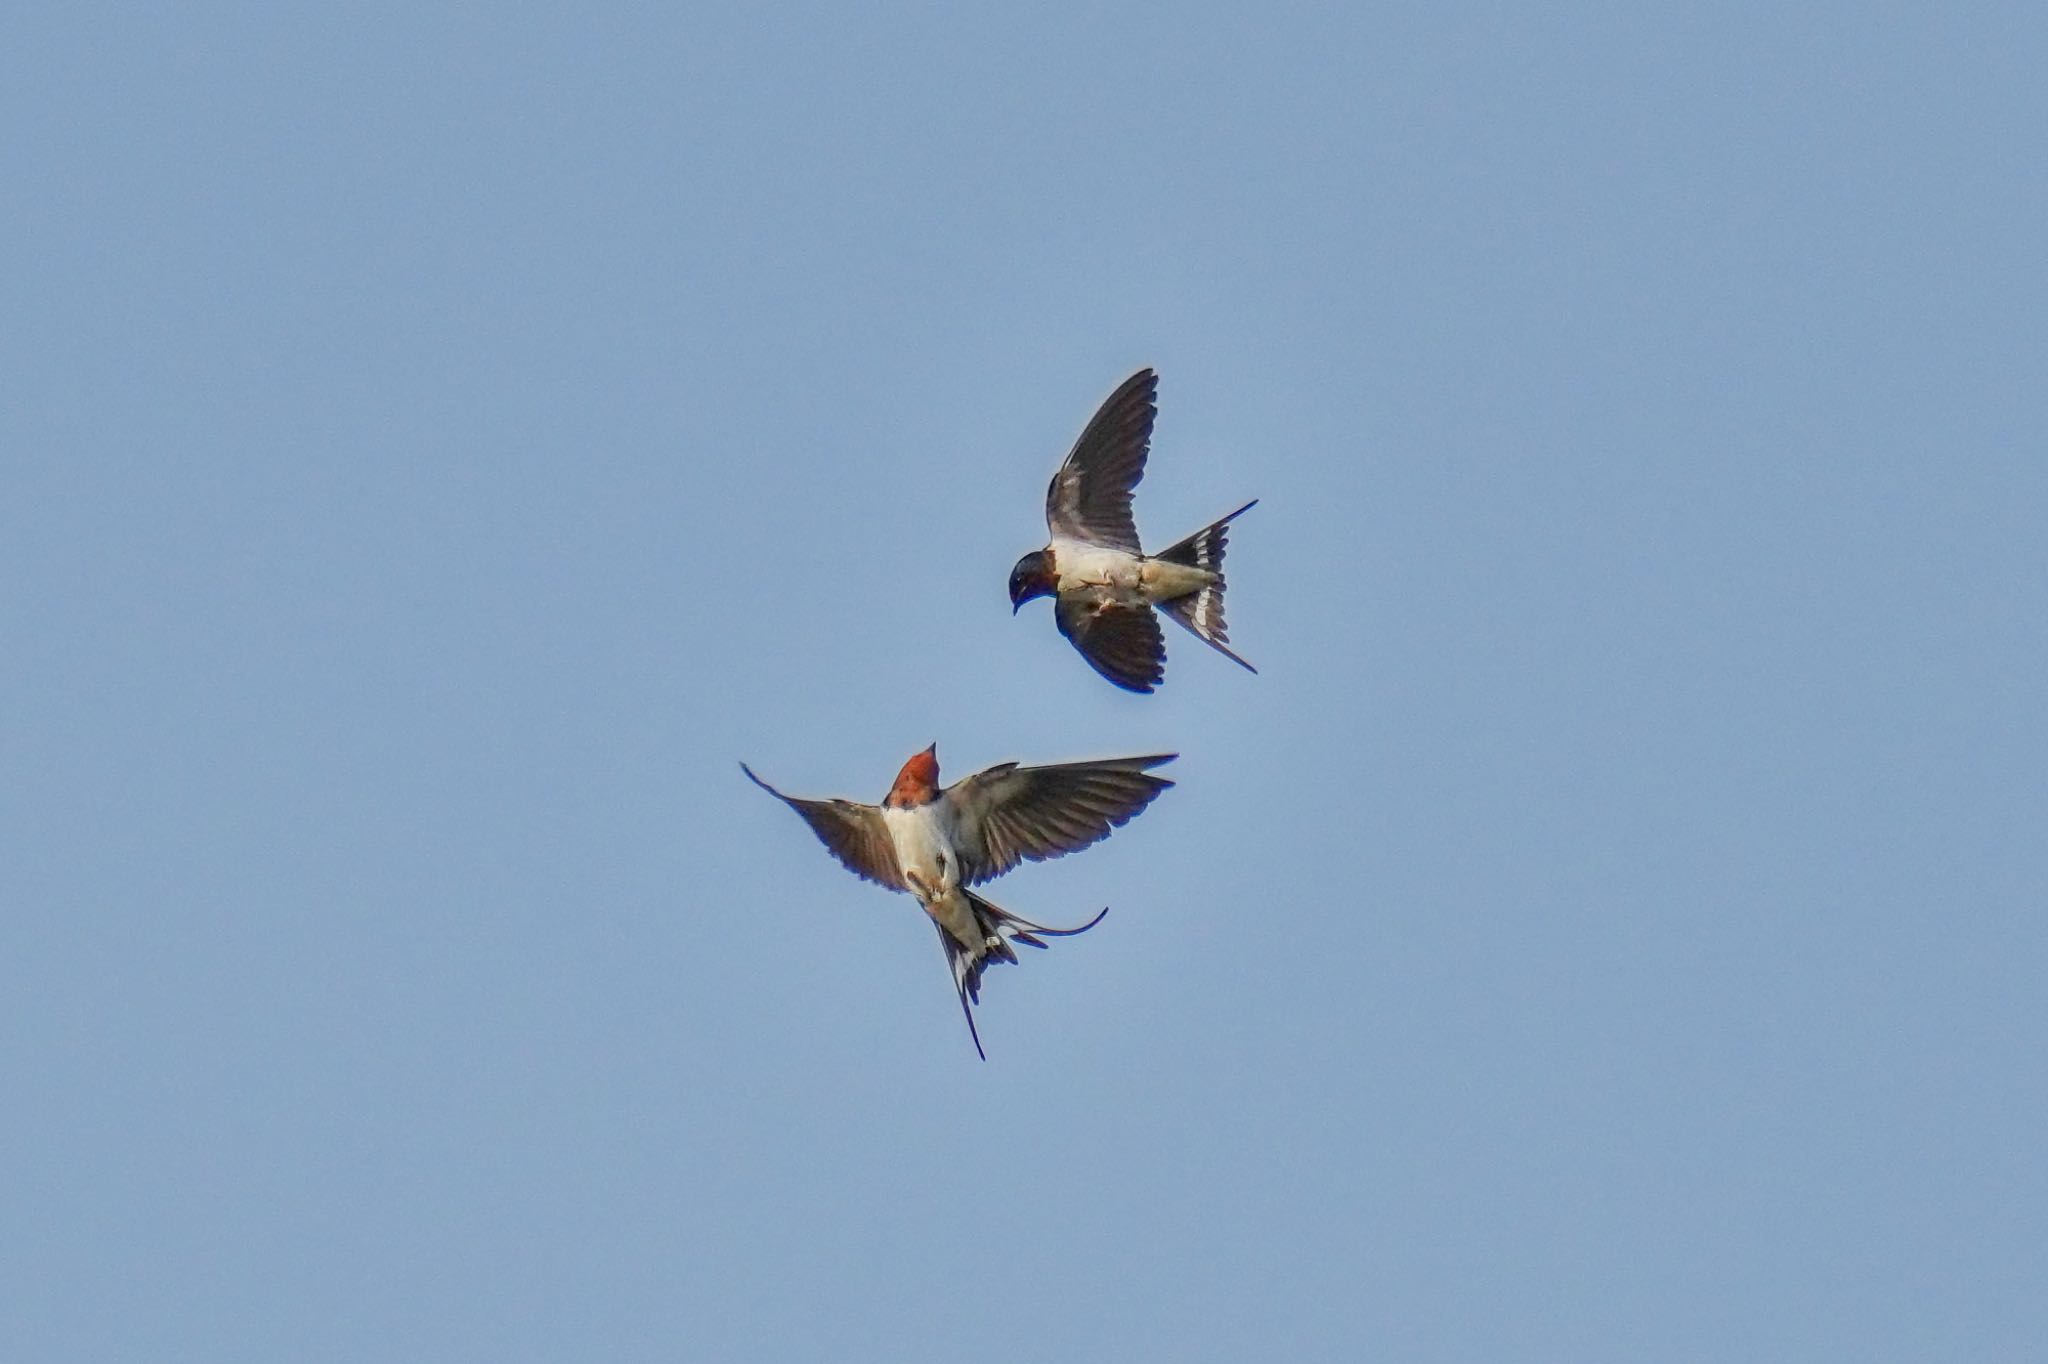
(937,843)
(1103,585)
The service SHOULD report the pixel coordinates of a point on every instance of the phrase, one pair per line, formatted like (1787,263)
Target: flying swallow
(937,843)
(1103,585)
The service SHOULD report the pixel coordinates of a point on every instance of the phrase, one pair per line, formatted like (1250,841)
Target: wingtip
(758,782)
(1135,688)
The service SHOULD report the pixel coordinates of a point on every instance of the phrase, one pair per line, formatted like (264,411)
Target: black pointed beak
(1016,605)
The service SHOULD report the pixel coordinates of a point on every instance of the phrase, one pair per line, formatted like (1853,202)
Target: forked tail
(1005,928)
(1201,611)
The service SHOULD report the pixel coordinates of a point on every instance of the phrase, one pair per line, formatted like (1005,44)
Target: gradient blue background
(440,442)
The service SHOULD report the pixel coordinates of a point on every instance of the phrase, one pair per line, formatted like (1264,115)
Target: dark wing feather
(1090,496)
(1120,642)
(850,831)
(1009,813)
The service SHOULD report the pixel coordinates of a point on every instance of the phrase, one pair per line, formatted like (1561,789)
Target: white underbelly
(1081,567)
(924,845)
(1164,581)
(925,851)
(1126,578)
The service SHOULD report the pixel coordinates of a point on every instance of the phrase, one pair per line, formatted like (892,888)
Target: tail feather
(1201,611)
(1005,928)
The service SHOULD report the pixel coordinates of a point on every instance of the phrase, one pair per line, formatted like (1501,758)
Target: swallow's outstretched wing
(1004,928)
(1009,813)
(1120,642)
(1090,496)
(850,831)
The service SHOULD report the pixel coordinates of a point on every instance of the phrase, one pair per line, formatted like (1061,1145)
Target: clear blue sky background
(440,442)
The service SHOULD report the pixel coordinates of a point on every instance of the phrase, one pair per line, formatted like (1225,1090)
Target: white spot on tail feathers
(1208,612)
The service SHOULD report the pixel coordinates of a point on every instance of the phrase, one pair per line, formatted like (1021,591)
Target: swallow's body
(1120,578)
(1103,584)
(926,840)
(937,844)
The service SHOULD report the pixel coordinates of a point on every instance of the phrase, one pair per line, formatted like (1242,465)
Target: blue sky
(441,443)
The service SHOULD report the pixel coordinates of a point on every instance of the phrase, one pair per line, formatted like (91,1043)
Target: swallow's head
(1032,577)
(918,782)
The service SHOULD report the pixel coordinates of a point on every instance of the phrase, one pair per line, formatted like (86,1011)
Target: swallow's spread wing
(1120,642)
(1009,813)
(852,832)
(1090,496)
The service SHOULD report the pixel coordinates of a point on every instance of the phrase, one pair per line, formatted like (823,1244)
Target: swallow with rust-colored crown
(1104,586)
(936,844)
